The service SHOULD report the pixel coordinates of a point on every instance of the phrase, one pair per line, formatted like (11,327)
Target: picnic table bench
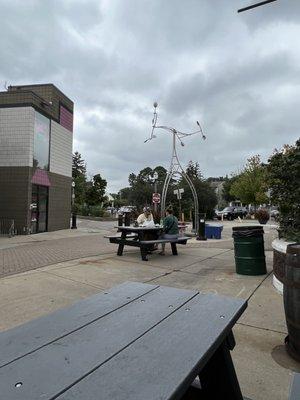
(133,342)
(136,237)
(295,387)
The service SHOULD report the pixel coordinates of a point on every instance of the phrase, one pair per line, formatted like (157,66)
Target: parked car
(126,209)
(231,213)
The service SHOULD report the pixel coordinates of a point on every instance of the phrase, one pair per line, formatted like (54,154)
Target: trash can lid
(247,228)
(247,231)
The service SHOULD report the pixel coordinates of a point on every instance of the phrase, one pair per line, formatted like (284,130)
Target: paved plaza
(44,272)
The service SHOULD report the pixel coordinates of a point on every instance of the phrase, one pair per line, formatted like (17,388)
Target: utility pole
(178,193)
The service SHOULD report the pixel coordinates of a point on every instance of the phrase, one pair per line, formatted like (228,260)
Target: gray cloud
(236,73)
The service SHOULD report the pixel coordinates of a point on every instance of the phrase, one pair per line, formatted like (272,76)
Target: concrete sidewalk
(24,253)
(263,367)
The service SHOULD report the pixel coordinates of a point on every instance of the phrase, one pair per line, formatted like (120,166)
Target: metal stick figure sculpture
(175,166)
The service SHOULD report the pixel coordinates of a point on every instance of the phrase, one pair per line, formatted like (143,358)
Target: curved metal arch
(175,166)
(193,190)
(196,202)
(176,169)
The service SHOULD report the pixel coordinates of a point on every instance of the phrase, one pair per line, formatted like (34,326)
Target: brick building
(36,137)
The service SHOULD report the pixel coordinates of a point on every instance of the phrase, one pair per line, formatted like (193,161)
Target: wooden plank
(52,369)
(178,240)
(139,228)
(19,341)
(129,236)
(164,362)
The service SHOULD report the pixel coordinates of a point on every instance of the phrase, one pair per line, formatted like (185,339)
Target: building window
(41,141)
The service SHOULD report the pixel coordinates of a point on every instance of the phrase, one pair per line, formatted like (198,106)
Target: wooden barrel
(291,296)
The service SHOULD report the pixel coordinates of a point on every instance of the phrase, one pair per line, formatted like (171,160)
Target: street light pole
(155,191)
(153,179)
(74,226)
(179,198)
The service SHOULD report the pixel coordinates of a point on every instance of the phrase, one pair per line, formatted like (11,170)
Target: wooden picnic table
(133,342)
(144,237)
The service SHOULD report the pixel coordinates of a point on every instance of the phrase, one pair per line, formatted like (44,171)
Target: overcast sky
(238,74)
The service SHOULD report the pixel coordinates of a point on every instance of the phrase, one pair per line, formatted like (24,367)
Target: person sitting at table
(146,217)
(170,228)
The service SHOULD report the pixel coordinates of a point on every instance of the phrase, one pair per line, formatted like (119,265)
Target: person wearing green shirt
(170,227)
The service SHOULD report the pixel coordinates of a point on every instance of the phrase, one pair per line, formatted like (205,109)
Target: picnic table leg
(174,249)
(143,248)
(218,378)
(121,245)
(120,249)
(144,253)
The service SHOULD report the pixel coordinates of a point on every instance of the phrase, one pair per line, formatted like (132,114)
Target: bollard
(201,232)
(120,220)
(74,226)
(193,221)
(127,219)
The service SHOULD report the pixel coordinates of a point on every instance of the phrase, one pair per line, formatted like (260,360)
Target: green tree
(95,194)
(141,187)
(228,182)
(123,197)
(283,176)
(79,177)
(250,185)
(193,170)
(78,165)
(206,195)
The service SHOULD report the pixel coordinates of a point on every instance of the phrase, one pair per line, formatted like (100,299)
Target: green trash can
(249,251)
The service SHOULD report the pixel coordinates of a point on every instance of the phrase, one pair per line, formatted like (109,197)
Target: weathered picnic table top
(135,341)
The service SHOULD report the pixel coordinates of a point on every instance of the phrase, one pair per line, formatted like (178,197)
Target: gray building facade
(36,139)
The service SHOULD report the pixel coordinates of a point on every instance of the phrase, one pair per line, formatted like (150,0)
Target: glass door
(39,209)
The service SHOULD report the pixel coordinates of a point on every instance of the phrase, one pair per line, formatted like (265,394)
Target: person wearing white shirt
(146,217)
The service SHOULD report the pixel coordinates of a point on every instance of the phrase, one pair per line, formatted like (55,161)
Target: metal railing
(7,227)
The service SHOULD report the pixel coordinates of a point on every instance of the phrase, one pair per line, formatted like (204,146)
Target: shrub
(262,214)
(284,183)
(83,210)
(94,211)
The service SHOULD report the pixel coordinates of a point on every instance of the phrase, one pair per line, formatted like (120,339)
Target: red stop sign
(156,198)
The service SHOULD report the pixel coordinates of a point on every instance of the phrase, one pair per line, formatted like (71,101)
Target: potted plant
(283,171)
(262,215)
